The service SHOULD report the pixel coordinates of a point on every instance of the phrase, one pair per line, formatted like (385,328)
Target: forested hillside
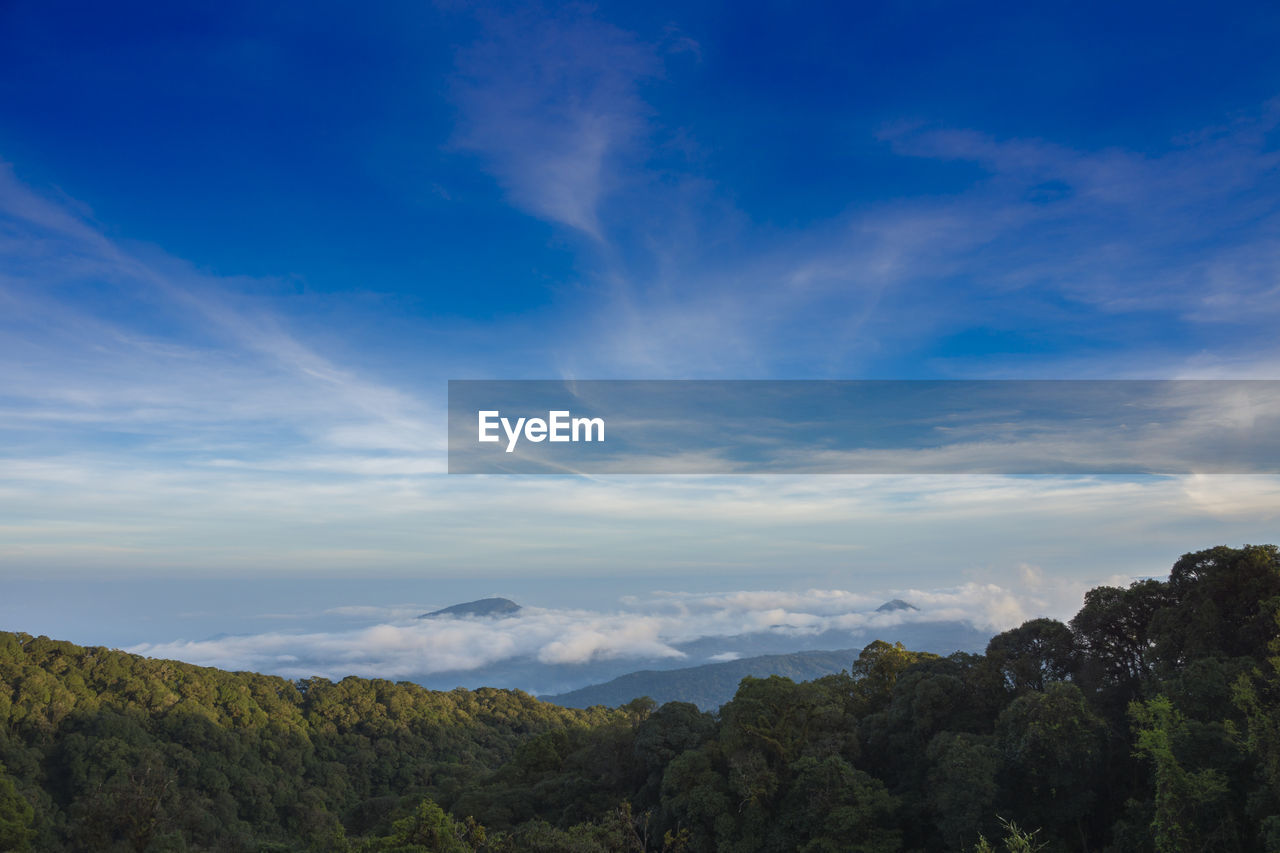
(1150,722)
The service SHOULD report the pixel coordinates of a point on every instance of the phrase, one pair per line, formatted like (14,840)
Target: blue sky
(242,250)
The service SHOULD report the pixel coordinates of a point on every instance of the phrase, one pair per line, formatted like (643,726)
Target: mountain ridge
(707,685)
(483,607)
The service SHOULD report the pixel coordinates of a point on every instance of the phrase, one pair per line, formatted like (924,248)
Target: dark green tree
(1190,808)
(1053,746)
(963,786)
(16,816)
(1033,655)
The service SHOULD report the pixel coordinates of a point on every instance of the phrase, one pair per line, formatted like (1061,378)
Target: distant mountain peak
(483,607)
(896,604)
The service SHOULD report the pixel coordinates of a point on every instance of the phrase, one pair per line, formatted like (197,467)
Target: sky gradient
(242,251)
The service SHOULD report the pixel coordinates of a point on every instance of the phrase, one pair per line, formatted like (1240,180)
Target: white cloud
(174,358)
(549,102)
(723,657)
(179,426)
(1104,263)
(647,629)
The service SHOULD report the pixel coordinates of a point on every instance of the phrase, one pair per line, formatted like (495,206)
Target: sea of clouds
(394,642)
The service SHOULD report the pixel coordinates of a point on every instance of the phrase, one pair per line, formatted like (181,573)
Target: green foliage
(1015,840)
(16,816)
(1113,630)
(135,754)
(1188,804)
(831,806)
(617,831)
(963,785)
(1256,695)
(1053,747)
(427,830)
(1150,723)
(1034,655)
(878,667)
(1223,605)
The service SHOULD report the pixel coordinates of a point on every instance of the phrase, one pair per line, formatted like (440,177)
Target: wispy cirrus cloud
(550,104)
(1191,228)
(178,421)
(1168,255)
(125,344)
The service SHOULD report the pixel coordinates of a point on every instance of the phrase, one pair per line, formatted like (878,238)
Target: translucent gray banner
(864,427)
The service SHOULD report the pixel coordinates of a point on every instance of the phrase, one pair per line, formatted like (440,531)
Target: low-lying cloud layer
(652,628)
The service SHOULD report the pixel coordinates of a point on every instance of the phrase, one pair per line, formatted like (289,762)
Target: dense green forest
(1150,722)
